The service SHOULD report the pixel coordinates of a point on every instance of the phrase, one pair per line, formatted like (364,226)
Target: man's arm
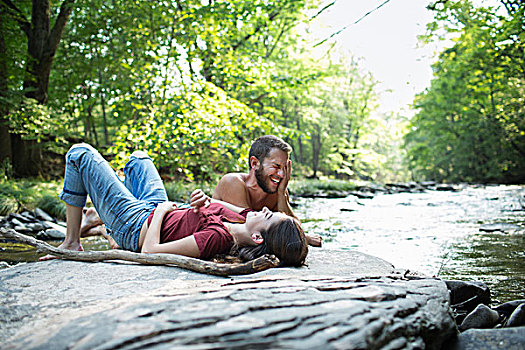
(283,202)
(200,199)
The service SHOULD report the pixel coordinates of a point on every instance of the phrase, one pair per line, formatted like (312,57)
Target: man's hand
(314,240)
(199,199)
(287,170)
(166,207)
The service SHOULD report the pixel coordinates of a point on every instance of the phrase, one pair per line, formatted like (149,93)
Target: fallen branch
(260,264)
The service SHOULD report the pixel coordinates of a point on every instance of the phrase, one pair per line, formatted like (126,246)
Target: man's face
(271,171)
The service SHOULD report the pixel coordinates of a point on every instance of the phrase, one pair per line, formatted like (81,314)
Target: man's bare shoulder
(231,185)
(234,178)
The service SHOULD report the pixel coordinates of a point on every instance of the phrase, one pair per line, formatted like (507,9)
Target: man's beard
(262,179)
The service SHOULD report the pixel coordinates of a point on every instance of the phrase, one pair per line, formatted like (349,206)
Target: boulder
(341,299)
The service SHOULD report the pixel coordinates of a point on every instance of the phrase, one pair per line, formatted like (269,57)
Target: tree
(470,125)
(42,44)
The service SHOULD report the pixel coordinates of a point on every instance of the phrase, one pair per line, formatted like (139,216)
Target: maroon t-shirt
(206,226)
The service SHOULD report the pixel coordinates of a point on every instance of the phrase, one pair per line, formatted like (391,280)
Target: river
(436,233)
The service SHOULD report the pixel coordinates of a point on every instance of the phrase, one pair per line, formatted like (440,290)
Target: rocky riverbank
(355,300)
(341,299)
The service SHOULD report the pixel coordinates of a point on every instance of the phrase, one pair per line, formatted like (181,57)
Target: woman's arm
(186,246)
(200,199)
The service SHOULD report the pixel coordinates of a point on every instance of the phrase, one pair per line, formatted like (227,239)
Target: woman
(139,217)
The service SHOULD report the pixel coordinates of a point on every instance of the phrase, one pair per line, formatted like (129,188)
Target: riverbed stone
(501,227)
(481,317)
(494,339)
(517,318)
(341,299)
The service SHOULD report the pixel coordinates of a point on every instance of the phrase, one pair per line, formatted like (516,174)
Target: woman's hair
(285,240)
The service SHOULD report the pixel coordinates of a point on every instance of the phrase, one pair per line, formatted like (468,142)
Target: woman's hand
(166,207)
(199,199)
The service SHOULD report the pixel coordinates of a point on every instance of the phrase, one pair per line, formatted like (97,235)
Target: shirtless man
(266,183)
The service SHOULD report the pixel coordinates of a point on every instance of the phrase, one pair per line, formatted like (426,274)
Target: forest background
(194,82)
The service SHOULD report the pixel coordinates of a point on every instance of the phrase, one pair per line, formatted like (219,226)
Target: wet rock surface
(494,339)
(355,301)
(36,223)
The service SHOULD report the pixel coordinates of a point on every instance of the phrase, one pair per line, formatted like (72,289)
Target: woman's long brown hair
(285,240)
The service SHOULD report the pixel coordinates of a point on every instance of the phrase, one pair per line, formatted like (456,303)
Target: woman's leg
(72,240)
(88,172)
(143,179)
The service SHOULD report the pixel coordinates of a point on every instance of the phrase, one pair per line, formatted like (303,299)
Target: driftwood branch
(260,264)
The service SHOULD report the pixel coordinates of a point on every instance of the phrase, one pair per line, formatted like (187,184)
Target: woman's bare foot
(111,241)
(90,219)
(70,246)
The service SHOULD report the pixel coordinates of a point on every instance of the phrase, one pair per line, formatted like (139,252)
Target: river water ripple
(435,232)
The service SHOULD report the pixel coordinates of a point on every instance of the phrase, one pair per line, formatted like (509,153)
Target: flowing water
(436,233)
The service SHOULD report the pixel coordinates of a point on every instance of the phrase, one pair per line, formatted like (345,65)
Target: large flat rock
(341,299)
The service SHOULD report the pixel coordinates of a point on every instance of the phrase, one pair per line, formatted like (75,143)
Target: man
(266,183)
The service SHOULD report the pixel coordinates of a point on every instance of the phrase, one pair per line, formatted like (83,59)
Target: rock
(347,209)
(500,226)
(42,215)
(466,295)
(350,303)
(15,222)
(481,317)
(17,218)
(362,195)
(517,318)
(22,228)
(51,235)
(494,339)
(29,216)
(445,187)
(508,308)
(49,224)
(35,227)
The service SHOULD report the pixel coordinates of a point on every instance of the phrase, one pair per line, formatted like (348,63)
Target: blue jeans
(123,207)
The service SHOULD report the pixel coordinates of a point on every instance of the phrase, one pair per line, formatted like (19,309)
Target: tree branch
(60,23)
(256,30)
(260,264)
(359,20)
(17,16)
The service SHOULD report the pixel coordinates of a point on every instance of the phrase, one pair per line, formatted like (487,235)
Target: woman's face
(257,221)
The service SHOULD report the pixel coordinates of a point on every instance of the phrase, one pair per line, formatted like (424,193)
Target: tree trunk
(5,136)
(316,151)
(42,43)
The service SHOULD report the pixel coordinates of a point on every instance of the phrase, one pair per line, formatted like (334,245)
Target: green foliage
(52,205)
(19,195)
(471,121)
(306,187)
(198,134)
(193,83)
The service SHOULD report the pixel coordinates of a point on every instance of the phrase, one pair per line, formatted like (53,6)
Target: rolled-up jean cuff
(74,199)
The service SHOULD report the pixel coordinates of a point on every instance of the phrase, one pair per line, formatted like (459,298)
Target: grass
(179,191)
(19,195)
(307,186)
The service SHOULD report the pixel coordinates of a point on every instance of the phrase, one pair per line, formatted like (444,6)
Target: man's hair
(286,240)
(264,144)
